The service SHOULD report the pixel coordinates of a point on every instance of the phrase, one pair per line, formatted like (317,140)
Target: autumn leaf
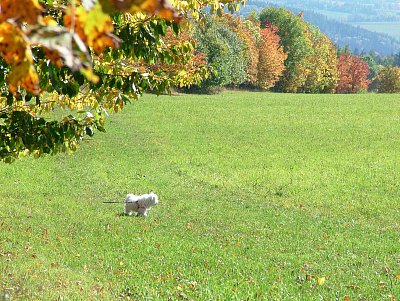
(20,11)
(16,52)
(321,281)
(398,276)
(160,8)
(94,27)
(346,298)
(12,44)
(23,74)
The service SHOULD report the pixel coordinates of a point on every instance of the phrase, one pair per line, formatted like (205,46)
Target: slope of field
(262,197)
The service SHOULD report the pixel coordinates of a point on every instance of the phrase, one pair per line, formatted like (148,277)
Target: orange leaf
(20,11)
(346,298)
(94,27)
(23,74)
(12,44)
(159,8)
(398,276)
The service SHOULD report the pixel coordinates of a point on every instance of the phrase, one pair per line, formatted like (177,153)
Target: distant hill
(349,10)
(358,39)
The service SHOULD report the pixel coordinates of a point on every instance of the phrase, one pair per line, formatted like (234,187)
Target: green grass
(389,28)
(261,196)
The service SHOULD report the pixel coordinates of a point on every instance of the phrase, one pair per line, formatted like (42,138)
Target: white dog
(140,204)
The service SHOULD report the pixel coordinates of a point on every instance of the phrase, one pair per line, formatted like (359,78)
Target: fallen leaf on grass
(398,276)
(321,281)
(346,298)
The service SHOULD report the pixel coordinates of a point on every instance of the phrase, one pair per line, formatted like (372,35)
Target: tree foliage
(323,75)
(88,57)
(296,44)
(249,54)
(388,79)
(223,50)
(353,74)
(271,58)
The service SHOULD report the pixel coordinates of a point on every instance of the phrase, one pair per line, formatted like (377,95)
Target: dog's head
(153,199)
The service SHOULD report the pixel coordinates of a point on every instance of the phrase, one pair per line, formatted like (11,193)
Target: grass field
(262,197)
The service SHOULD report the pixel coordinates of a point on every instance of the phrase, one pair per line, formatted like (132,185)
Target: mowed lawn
(262,197)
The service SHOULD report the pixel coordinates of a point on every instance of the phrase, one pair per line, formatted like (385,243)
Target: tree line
(279,51)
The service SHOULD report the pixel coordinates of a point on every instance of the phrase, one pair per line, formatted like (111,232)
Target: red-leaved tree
(271,58)
(353,74)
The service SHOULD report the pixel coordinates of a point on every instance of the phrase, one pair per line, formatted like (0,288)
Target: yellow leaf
(13,47)
(398,276)
(23,74)
(48,20)
(94,27)
(321,281)
(88,73)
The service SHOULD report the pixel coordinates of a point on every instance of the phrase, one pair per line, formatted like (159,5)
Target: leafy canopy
(88,57)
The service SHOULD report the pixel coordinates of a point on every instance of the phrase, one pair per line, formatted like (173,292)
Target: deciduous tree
(249,53)
(353,74)
(323,77)
(296,43)
(388,80)
(223,50)
(271,58)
